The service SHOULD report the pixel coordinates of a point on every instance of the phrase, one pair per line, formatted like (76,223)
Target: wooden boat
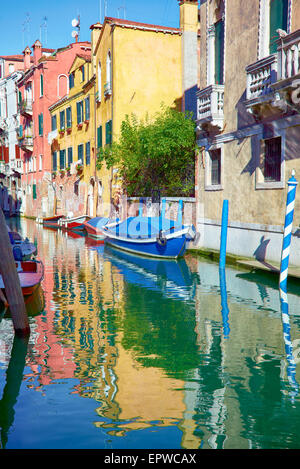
(74,223)
(151,236)
(23,249)
(52,222)
(94,227)
(30,275)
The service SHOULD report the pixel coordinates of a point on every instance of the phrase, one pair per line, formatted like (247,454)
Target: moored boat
(23,249)
(52,222)
(151,236)
(74,223)
(30,275)
(94,227)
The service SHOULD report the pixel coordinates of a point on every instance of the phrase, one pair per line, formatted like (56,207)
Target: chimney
(96,30)
(189,50)
(27,57)
(37,51)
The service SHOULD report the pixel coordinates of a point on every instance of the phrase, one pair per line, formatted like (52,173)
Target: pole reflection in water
(14,377)
(291,368)
(225,310)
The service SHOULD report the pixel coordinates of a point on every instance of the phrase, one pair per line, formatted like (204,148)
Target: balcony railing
(210,106)
(107,89)
(26,143)
(260,76)
(25,107)
(289,55)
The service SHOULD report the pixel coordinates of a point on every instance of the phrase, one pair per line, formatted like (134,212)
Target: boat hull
(30,275)
(52,222)
(94,228)
(74,224)
(174,247)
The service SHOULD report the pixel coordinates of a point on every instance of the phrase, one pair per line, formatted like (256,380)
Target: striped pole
(224,227)
(288,225)
(291,369)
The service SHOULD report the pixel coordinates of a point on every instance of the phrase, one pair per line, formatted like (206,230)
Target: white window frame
(260,183)
(208,186)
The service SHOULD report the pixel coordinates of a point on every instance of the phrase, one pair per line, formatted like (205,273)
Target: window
(219,52)
(34,191)
(11,68)
(82,72)
(71,80)
(69,117)
(272,159)
(80,153)
(99,136)
(70,156)
(54,122)
(108,132)
(41,85)
(62,159)
(40,162)
(54,161)
(41,124)
(87,108)
(214,169)
(87,153)
(99,82)
(79,106)
(278,20)
(62,121)
(107,86)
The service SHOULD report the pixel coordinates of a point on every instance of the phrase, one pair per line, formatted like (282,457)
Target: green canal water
(130,353)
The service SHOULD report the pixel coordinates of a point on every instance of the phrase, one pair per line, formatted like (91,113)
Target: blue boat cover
(98,222)
(143,227)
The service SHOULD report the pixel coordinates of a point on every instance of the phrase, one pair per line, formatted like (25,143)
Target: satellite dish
(74,33)
(75,23)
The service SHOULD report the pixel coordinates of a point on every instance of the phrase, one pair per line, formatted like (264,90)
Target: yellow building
(137,68)
(72,140)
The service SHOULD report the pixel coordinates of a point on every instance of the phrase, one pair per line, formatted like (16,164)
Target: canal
(129,353)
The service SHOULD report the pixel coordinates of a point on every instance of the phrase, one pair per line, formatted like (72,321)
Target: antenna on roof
(76,24)
(43,26)
(124,11)
(26,29)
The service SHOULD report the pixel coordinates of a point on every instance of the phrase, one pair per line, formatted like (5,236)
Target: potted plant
(69,130)
(61,132)
(68,170)
(79,168)
(79,126)
(62,172)
(53,174)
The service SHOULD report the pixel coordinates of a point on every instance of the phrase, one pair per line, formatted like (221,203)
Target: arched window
(108,71)
(99,81)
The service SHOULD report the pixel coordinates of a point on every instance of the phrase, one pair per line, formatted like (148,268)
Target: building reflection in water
(150,342)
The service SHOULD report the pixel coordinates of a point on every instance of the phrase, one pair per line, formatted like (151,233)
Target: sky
(22,22)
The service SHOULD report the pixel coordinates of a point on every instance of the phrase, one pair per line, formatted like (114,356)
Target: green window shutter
(79,106)
(21,131)
(278,20)
(34,191)
(70,156)
(80,153)
(41,85)
(87,108)
(69,117)
(219,52)
(54,161)
(62,120)
(108,132)
(62,159)
(41,124)
(87,153)
(99,136)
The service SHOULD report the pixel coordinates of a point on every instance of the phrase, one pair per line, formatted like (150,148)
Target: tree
(154,155)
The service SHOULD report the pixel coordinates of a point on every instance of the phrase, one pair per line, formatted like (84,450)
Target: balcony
(210,105)
(26,143)
(261,75)
(16,166)
(2,167)
(25,108)
(107,89)
(288,79)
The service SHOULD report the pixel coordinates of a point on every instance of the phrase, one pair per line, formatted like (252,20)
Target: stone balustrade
(260,76)
(210,105)
(289,55)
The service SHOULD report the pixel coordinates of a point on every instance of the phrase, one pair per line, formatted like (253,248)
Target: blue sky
(20,21)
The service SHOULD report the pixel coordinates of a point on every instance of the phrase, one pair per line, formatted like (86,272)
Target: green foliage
(154,154)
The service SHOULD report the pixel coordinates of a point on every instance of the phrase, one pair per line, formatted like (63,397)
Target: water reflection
(137,353)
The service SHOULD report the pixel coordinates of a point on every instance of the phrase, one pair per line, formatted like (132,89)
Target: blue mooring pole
(223,244)
(288,225)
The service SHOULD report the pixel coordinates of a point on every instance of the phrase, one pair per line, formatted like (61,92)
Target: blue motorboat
(23,249)
(151,236)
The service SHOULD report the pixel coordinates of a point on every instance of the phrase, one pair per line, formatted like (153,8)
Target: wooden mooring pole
(11,282)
